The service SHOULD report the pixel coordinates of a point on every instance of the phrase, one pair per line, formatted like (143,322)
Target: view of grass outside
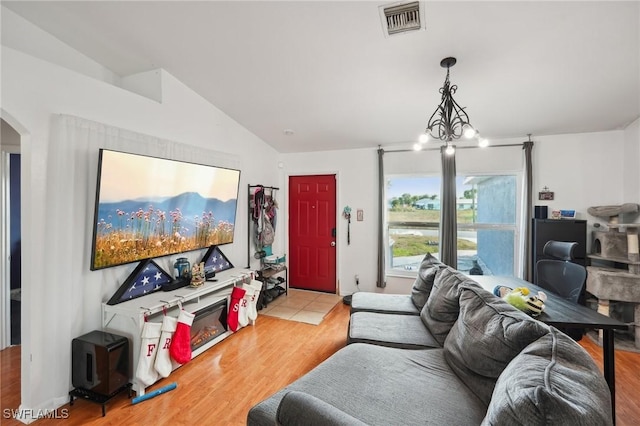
(411,214)
(408,243)
(416,245)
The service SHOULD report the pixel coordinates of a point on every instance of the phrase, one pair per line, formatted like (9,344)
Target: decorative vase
(182,269)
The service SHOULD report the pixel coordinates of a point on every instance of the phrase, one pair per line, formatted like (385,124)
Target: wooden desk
(562,313)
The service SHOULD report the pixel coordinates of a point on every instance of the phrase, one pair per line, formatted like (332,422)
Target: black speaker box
(100,362)
(540,212)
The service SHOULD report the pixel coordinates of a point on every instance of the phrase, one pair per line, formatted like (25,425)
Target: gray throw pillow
(553,381)
(442,307)
(489,333)
(424,281)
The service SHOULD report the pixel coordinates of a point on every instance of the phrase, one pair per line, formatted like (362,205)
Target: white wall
(9,137)
(20,34)
(583,170)
(631,158)
(33,91)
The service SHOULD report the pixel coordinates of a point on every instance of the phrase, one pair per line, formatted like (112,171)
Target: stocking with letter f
(146,372)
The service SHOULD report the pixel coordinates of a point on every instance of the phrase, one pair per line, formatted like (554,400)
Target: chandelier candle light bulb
(450,150)
(470,132)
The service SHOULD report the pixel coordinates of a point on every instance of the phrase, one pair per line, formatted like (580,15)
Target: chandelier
(449,121)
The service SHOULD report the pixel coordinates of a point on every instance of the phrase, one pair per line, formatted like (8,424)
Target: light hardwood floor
(220,386)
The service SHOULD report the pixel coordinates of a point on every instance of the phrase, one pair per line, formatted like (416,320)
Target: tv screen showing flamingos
(150,207)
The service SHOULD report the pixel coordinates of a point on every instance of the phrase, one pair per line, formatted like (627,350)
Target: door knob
(333,243)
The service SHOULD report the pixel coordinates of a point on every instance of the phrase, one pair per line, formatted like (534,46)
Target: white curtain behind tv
(72,167)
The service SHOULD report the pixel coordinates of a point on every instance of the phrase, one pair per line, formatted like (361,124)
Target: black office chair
(559,275)
(562,277)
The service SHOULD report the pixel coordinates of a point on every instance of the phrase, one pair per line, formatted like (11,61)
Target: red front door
(312,224)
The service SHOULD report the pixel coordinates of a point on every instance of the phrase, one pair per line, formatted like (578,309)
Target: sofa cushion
(442,307)
(424,281)
(489,333)
(392,330)
(552,381)
(384,386)
(383,303)
(298,408)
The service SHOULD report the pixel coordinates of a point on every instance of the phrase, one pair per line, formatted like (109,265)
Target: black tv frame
(197,239)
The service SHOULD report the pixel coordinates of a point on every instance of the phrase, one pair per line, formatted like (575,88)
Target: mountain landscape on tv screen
(137,229)
(191,204)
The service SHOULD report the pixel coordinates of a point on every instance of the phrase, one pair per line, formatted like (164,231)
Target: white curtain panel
(74,293)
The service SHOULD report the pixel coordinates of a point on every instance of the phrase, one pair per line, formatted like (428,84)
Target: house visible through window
(486,216)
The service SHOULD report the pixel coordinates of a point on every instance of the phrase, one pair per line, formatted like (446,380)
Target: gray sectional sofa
(461,357)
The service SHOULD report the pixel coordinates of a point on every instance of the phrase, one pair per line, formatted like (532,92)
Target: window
(486,215)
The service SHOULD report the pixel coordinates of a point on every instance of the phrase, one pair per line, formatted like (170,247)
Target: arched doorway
(15,141)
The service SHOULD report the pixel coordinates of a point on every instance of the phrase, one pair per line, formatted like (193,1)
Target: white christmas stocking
(243,307)
(163,364)
(253,303)
(145,372)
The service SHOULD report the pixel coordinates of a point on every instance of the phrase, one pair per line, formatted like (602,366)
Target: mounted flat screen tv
(149,207)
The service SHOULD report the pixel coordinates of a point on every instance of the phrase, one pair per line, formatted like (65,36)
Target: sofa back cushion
(424,281)
(552,381)
(443,305)
(488,334)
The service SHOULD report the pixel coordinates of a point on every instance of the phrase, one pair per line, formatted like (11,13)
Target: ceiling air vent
(400,18)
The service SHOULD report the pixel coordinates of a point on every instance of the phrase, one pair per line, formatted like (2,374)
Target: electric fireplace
(208,324)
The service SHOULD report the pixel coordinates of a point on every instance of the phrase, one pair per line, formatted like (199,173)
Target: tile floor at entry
(302,306)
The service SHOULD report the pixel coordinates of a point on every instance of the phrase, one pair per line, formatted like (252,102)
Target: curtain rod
(457,148)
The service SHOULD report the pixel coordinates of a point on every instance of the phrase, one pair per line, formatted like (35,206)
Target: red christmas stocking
(145,372)
(234,307)
(180,348)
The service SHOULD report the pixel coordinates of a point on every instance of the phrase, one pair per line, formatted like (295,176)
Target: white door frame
(25,312)
(5,249)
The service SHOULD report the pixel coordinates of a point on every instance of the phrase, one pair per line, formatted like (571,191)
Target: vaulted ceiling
(326,71)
